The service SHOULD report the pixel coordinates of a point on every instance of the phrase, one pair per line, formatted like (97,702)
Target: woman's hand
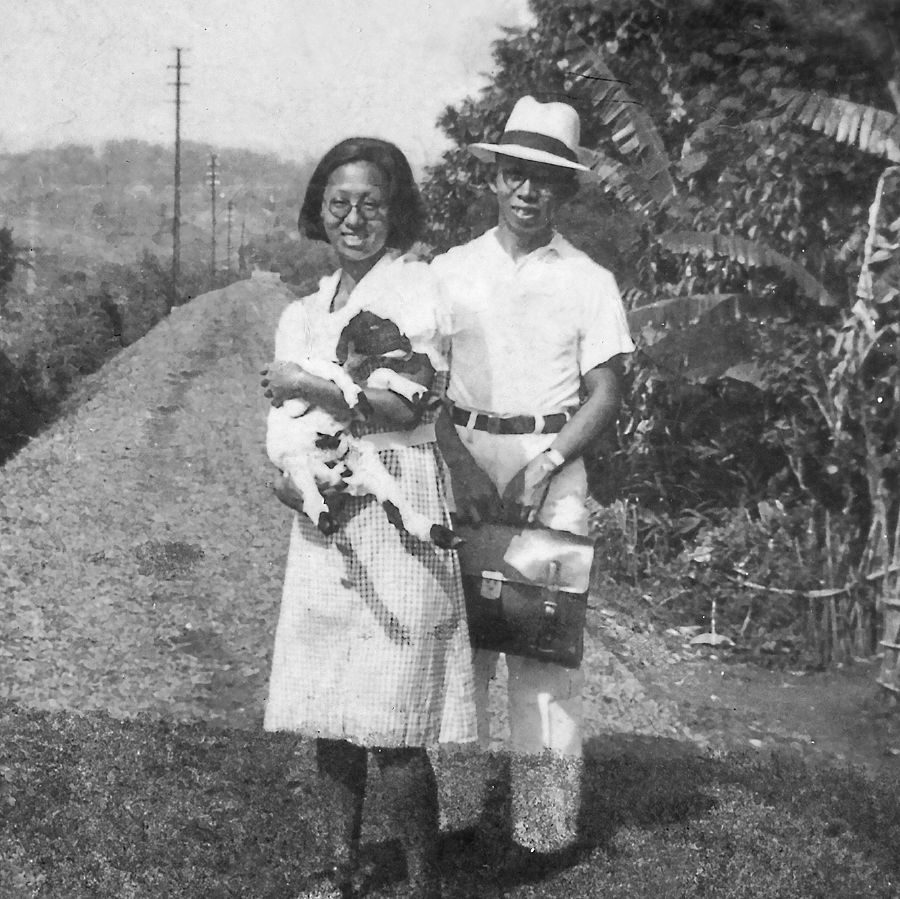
(290,494)
(282,381)
(287,492)
(524,494)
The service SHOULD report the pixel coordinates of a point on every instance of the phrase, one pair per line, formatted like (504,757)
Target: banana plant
(641,177)
(872,130)
(857,391)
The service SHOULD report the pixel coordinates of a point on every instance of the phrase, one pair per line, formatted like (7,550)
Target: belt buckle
(492,424)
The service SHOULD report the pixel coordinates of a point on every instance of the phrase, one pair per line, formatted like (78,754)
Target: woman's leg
(342,768)
(412,788)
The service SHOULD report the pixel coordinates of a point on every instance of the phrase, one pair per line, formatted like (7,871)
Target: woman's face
(355,211)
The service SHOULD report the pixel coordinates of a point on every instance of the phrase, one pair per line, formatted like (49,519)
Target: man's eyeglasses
(366,208)
(545,184)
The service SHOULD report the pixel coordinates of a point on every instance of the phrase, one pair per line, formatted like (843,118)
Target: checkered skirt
(372,645)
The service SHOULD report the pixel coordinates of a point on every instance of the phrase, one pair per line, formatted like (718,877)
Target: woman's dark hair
(406,214)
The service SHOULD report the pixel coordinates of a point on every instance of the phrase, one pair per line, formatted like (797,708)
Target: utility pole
(213,184)
(230,218)
(32,225)
(176,211)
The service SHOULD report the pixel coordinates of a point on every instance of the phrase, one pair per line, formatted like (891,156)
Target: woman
(371,651)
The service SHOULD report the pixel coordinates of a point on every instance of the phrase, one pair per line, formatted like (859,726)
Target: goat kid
(319,451)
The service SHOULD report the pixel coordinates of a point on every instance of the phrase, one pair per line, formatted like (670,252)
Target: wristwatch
(555,457)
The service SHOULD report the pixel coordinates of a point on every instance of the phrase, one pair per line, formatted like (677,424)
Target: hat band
(535,141)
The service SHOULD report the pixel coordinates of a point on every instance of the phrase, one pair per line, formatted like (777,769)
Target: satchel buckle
(491,585)
(550,608)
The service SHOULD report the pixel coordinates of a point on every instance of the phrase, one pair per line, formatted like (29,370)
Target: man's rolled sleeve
(604,331)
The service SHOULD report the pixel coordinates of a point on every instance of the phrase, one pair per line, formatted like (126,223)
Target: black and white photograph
(450,450)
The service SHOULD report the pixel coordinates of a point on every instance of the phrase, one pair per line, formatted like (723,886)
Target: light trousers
(545,705)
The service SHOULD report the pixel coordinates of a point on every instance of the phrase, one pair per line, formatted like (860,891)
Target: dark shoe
(347,879)
(527,865)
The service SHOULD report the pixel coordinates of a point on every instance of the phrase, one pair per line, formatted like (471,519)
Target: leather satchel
(526,590)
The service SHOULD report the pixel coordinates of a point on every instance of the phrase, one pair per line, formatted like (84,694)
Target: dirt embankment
(140,546)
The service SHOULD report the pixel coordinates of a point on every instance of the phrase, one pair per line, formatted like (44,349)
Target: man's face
(528,195)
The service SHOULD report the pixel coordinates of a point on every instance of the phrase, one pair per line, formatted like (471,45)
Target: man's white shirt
(524,331)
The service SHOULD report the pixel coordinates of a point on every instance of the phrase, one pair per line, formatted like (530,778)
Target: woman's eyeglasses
(366,208)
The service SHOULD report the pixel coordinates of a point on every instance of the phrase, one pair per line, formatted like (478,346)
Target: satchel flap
(525,555)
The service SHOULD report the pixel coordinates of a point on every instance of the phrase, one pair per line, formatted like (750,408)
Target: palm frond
(748,253)
(873,130)
(633,131)
(702,338)
(632,295)
(655,320)
(879,279)
(615,178)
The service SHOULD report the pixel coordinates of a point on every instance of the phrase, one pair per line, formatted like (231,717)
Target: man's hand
(281,381)
(476,497)
(525,493)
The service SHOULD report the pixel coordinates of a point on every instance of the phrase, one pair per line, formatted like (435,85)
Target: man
(536,326)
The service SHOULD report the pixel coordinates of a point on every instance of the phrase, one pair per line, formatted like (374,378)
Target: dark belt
(510,424)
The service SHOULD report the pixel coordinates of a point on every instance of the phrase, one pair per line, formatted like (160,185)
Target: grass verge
(96,807)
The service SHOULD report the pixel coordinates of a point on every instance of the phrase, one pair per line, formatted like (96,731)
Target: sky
(288,76)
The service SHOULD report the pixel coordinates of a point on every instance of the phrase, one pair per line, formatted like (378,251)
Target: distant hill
(94,232)
(110,204)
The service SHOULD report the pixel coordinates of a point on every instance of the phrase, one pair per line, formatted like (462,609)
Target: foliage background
(738,237)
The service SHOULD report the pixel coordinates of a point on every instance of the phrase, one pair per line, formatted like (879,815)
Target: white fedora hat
(538,132)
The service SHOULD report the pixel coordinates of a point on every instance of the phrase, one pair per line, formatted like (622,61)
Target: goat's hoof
(327,525)
(445,538)
(393,514)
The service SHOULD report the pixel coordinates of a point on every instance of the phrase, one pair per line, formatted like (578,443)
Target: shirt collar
(553,249)
(329,284)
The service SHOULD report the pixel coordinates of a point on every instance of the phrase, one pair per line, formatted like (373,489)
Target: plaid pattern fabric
(372,644)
